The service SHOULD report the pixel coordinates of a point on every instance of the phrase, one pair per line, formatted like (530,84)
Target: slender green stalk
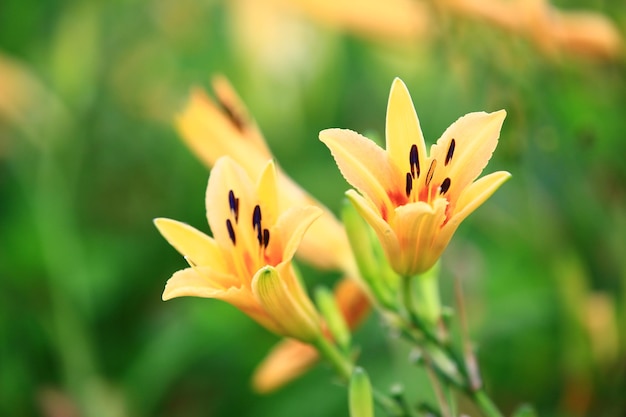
(449,394)
(391,407)
(344,368)
(487,406)
(441,399)
(444,364)
(407,299)
(342,365)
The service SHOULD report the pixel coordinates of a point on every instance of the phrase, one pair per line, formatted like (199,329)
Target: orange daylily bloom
(413,200)
(248,262)
(290,358)
(551,28)
(213,130)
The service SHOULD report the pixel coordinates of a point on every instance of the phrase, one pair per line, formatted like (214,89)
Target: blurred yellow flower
(278,37)
(212,130)
(413,200)
(248,262)
(390,19)
(28,105)
(553,30)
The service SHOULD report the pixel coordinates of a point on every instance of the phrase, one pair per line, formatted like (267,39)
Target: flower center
(248,255)
(262,235)
(427,190)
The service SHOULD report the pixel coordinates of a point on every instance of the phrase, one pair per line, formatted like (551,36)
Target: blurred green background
(89,156)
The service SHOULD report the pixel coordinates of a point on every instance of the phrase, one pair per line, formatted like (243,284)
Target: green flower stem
(437,389)
(485,404)
(391,407)
(407,299)
(426,301)
(344,368)
(342,365)
(444,360)
(449,395)
(417,320)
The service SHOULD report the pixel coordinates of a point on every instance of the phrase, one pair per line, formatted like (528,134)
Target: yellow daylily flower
(212,130)
(413,200)
(248,261)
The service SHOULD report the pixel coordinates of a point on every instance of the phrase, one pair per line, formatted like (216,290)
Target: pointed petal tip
(397,82)
(497,117)
(169,292)
(336,131)
(166,226)
(161,222)
(500,177)
(500,114)
(398,87)
(270,164)
(224,160)
(327,134)
(354,197)
(350,194)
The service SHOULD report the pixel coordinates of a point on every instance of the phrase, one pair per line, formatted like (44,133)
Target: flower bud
(361,400)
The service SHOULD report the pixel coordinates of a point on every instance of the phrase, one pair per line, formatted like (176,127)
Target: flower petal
(195,246)
(204,282)
(416,225)
(290,358)
(295,287)
(286,361)
(352,301)
(470,200)
(212,132)
(386,235)
(207,283)
(476,194)
(226,177)
(267,193)
(403,130)
(366,167)
(234,109)
(276,299)
(475,138)
(325,244)
(290,228)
